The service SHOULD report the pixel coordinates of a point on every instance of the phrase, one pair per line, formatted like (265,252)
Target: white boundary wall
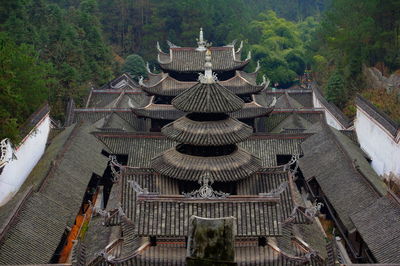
(378,143)
(330,119)
(28,153)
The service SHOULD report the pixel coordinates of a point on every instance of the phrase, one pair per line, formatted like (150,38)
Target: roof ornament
(141,83)
(258,66)
(202,44)
(274,100)
(148,68)
(275,192)
(114,172)
(232,44)
(137,188)
(264,81)
(208,77)
(314,210)
(293,161)
(248,56)
(206,191)
(171,45)
(6,152)
(240,47)
(130,103)
(159,48)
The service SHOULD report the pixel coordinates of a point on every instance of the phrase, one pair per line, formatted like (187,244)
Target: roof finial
(208,76)
(201,42)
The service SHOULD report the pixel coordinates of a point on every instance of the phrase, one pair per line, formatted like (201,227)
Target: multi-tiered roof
(188,59)
(208,135)
(173,81)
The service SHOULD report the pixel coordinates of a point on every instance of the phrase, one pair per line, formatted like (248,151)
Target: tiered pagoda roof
(206,102)
(189,59)
(165,85)
(153,110)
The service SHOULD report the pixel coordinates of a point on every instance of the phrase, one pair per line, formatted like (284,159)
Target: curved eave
(240,85)
(236,166)
(164,58)
(252,110)
(172,88)
(239,65)
(158,111)
(209,133)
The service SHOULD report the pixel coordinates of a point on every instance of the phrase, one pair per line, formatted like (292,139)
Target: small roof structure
(207,98)
(187,59)
(234,166)
(227,131)
(163,84)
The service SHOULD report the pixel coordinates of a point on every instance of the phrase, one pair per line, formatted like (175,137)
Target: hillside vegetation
(54,50)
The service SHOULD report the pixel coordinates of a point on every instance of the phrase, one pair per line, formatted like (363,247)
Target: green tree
(277,44)
(24,85)
(135,66)
(335,90)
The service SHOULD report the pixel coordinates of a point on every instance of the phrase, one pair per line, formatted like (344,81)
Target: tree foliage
(278,45)
(69,40)
(24,85)
(78,42)
(135,66)
(353,33)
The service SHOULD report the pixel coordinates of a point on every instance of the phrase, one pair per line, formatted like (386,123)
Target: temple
(200,142)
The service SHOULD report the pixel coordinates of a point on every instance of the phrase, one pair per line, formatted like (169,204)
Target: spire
(208,76)
(202,44)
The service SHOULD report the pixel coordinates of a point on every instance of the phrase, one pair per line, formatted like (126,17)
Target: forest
(54,50)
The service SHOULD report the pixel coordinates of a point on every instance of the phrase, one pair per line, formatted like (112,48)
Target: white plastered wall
(330,119)
(27,154)
(379,144)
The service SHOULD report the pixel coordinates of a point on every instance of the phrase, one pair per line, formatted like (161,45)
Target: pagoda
(208,135)
(177,77)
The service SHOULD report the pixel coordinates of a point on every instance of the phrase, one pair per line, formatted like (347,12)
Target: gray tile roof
(189,60)
(122,81)
(207,98)
(40,224)
(293,99)
(141,148)
(234,166)
(227,131)
(341,171)
(163,217)
(163,84)
(106,118)
(379,227)
(279,116)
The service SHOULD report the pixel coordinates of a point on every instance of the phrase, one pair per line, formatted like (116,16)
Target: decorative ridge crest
(114,172)
(248,56)
(206,191)
(275,192)
(257,67)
